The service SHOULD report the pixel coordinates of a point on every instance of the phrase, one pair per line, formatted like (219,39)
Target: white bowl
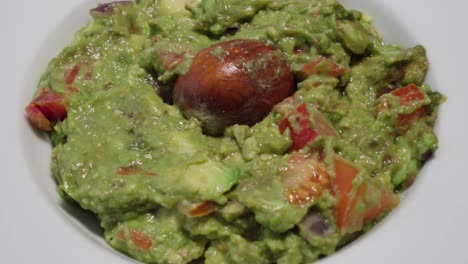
(38,227)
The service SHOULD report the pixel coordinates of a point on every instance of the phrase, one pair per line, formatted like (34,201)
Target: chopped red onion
(108,8)
(314,224)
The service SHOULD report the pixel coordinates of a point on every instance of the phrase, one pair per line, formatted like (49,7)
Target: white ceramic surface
(37,227)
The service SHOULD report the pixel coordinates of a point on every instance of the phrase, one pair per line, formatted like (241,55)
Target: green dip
(322,168)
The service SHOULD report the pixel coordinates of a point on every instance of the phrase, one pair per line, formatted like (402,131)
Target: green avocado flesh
(322,168)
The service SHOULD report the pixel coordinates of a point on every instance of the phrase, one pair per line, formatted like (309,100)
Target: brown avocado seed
(233,82)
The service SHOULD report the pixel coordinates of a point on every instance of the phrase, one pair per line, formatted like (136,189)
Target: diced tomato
(301,130)
(352,210)
(361,211)
(304,179)
(121,235)
(52,106)
(47,108)
(37,118)
(408,94)
(345,173)
(141,240)
(404,121)
(388,201)
(71,74)
(133,170)
(202,209)
(322,66)
(302,133)
(197,209)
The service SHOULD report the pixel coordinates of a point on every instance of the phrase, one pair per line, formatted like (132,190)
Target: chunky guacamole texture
(322,168)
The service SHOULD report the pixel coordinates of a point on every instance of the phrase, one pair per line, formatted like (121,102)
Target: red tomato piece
(322,66)
(71,74)
(301,133)
(37,118)
(388,201)
(345,173)
(141,240)
(404,121)
(121,235)
(358,217)
(301,130)
(408,94)
(47,108)
(349,218)
(133,170)
(197,209)
(84,68)
(202,209)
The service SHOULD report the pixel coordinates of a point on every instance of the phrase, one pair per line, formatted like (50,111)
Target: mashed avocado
(320,169)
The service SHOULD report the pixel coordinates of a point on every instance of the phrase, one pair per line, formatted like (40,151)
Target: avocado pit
(233,82)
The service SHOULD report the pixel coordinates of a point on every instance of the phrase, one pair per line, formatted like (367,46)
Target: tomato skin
(404,121)
(388,201)
(358,217)
(141,240)
(71,74)
(321,66)
(301,131)
(133,170)
(302,134)
(407,96)
(37,118)
(345,173)
(352,210)
(47,108)
(203,208)
(198,209)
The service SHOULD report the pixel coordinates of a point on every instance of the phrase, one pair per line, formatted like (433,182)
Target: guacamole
(319,168)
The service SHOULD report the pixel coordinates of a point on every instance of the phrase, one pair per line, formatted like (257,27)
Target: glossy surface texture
(40,228)
(233,82)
